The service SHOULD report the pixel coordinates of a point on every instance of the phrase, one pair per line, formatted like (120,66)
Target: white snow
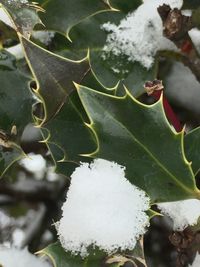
(196,262)
(102,209)
(195,36)
(5,18)
(12,257)
(44,37)
(17,1)
(139,36)
(34,163)
(16,51)
(183,213)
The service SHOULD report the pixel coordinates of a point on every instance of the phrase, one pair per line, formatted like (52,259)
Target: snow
(102,209)
(139,36)
(183,213)
(5,18)
(44,37)
(195,36)
(12,257)
(34,163)
(16,51)
(17,2)
(196,262)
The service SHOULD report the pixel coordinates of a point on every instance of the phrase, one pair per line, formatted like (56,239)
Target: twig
(175,28)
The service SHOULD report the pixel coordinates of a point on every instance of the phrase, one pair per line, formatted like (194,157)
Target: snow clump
(183,213)
(12,257)
(140,35)
(102,209)
(196,262)
(34,163)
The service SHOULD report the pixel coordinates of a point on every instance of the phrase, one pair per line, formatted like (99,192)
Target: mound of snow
(102,209)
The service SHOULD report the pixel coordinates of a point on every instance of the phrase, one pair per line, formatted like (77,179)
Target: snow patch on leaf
(183,213)
(140,35)
(102,209)
(12,257)
(44,37)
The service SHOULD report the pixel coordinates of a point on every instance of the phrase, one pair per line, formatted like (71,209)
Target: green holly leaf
(67,136)
(54,76)
(125,5)
(15,110)
(61,15)
(108,69)
(195,17)
(123,258)
(192,148)
(61,258)
(24,15)
(8,34)
(190,4)
(140,138)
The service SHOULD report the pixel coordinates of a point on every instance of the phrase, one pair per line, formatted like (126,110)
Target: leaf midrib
(148,152)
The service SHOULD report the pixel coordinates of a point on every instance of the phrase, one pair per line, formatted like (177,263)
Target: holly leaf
(8,34)
(15,110)
(67,136)
(134,256)
(54,76)
(61,15)
(125,5)
(23,14)
(109,69)
(61,258)
(192,148)
(195,17)
(190,4)
(140,138)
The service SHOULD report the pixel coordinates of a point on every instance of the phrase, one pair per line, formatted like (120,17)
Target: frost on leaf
(102,209)
(140,35)
(12,257)
(183,213)
(196,262)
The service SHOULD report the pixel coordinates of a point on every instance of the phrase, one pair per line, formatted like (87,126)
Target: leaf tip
(77,86)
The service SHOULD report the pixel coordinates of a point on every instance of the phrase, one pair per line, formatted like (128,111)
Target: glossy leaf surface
(192,148)
(109,69)
(54,76)
(15,109)
(61,258)
(62,15)
(24,15)
(139,137)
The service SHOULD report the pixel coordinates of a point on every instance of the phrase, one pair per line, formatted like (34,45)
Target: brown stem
(187,244)
(175,28)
